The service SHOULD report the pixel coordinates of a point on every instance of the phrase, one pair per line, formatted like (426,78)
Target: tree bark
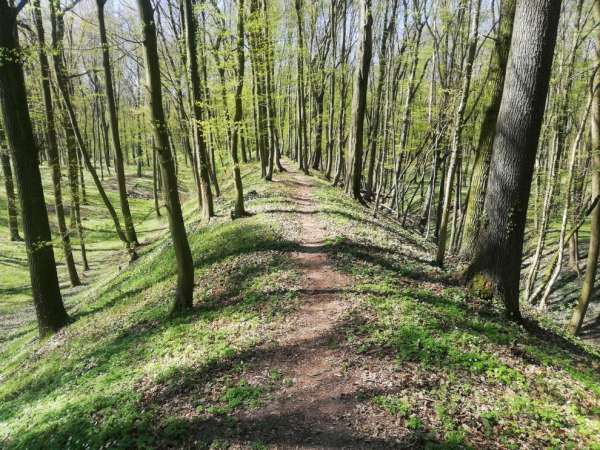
(497,261)
(483,156)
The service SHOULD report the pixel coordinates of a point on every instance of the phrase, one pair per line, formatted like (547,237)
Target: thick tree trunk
(497,261)
(483,155)
(49,308)
(183,255)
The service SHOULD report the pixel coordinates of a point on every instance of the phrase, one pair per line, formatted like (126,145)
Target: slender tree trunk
(332,87)
(155,181)
(389,29)
(239,210)
(553,270)
(11,198)
(497,261)
(196,116)
(114,128)
(52,147)
(359,103)
(65,89)
(457,133)
(587,288)
(302,121)
(49,308)
(183,255)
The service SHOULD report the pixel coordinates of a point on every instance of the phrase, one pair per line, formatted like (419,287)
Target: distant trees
(436,128)
(49,308)
(11,198)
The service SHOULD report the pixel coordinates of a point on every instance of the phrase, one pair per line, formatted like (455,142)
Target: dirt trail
(314,410)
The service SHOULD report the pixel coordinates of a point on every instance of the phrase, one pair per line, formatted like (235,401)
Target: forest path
(316,406)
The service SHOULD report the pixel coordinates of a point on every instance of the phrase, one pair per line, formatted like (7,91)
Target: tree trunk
(49,308)
(114,128)
(239,210)
(457,134)
(11,198)
(65,89)
(196,116)
(302,122)
(497,261)
(483,156)
(52,147)
(359,103)
(587,289)
(183,255)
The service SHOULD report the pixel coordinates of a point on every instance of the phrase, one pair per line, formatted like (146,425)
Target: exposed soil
(321,400)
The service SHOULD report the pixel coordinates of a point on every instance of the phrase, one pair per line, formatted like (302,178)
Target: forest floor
(315,326)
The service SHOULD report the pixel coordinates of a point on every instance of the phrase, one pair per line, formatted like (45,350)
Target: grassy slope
(470,377)
(80,387)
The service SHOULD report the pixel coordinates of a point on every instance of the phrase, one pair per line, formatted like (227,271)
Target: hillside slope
(315,326)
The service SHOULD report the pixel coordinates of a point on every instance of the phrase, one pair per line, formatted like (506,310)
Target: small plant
(414,423)
(395,406)
(242,394)
(275,375)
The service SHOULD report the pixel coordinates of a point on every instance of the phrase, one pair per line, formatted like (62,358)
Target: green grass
(85,387)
